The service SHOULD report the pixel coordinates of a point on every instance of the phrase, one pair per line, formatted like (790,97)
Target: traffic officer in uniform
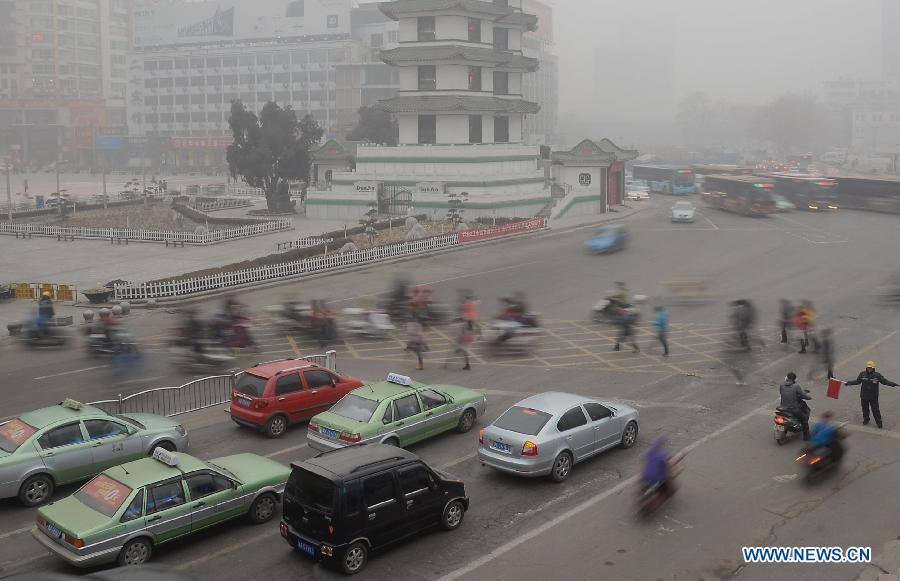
(868,393)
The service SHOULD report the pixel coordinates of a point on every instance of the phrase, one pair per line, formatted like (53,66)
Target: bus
(666,179)
(709,169)
(879,194)
(806,191)
(748,195)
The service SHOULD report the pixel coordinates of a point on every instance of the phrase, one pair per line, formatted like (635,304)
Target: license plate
(330,433)
(244,402)
(54,531)
(501,447)
(779,428)
(307,548)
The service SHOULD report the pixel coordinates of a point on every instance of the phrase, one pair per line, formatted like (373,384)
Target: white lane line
(14,533)
(142,379)
(564,517)
(453,463)
(286,450)
(74,371)
(708,220)
(9,567)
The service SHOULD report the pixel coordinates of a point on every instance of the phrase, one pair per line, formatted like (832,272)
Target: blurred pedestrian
(787,319)
(415,332)
(661,323)
(465,336)
(826,354)
(869,380)
(470,311)
(626,317)
(805,323)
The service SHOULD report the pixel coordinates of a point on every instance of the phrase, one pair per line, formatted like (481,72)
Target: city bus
(666,179)
(806,191)
(709,169)
(879,194)
(747,194)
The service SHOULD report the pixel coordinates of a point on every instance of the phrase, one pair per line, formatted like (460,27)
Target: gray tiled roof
(424,54)
(503,14)
(457,103)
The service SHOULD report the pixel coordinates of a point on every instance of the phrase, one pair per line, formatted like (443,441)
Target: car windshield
(523,420)
(684,206)
(251,384)
(355,407)
(13,434)
(131,421)
(104,495)
(311,490)
(223,470)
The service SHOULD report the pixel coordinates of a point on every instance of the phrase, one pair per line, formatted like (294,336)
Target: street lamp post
(9,208)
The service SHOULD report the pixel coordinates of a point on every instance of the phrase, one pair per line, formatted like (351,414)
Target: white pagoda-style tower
(461,112)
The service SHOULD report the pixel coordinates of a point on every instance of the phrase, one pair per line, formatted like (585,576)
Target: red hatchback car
(271,396)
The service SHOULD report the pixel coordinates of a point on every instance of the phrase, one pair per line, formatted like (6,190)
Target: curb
(169,301)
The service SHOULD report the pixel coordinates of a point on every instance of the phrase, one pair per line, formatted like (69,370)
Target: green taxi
(122,514)
(398,411)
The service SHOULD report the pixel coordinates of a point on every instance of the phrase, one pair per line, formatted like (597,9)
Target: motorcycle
(504,336)
(606,310)
(117,342)
(374,324)
(787,425)
(51,336)
(819,460)
(209,357)
(651,498)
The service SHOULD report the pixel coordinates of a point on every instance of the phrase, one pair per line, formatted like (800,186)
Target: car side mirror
(385,421)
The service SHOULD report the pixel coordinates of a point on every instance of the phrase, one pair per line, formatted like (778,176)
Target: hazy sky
(633,60)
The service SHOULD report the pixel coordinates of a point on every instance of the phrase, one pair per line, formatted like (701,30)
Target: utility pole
(58,193)
(9,207)
(105,196)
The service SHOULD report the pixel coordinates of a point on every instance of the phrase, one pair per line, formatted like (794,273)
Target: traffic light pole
(9,207)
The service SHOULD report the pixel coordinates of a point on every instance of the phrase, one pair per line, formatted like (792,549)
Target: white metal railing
(254,192)
(132,235)
(192,396)
(175,288)
(305,242)
(220,204)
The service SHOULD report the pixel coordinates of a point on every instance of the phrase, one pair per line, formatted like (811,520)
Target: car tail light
(330,529)
(313,426)
(261,403)
(481,436)
(77,543)
(815,460)
(40,520)
(326,550)
(284,530)
(529,449)
(779,420)
(352,438)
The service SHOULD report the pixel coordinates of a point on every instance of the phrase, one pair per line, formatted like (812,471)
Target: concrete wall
(409,30)
(409,128)
(452,27)
(452,77)
(453,129)
(515,129)
(409,78)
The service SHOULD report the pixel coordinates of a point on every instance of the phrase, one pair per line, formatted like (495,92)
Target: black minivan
(344,504)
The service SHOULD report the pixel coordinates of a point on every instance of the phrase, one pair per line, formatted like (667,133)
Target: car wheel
(355,558)
(392,442)
(466,421)
(453,515)
(167,446)
(36,490)
(629,435)
(276,426)
(135,552)
(562,467)
(263,508)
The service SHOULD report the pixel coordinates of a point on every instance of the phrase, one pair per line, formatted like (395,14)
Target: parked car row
(360,494)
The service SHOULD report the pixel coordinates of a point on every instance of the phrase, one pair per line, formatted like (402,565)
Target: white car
(683,212)
(637,191)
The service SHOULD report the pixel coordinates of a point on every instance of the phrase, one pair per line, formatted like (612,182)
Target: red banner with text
(486,232)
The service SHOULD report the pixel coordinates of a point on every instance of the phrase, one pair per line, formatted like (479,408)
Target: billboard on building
(168,22)
(544,14)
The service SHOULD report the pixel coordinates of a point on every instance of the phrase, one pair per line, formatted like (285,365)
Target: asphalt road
(738,487)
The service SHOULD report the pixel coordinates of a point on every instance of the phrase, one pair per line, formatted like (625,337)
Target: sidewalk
(617,213)
(92,263)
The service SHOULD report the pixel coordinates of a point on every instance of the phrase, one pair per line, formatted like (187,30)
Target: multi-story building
(62,77)
(192,59)
(543,85)
(461,111)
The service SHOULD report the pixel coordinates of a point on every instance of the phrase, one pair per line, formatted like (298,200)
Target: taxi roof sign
(166,457)
(399,379)
(72,404)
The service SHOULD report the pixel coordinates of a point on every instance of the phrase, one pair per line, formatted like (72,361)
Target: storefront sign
(430,188)
(487,232)
(219,143)
(366,187)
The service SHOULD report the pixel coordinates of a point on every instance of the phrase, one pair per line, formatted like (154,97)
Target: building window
(377,40)
(501,129)
(474,78)
(475,129)
(427,78)
(474,30)
(427,129)
(426,28)
(584,179)
(501,39)
(501,83)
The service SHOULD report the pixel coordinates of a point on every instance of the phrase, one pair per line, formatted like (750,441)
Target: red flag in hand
(834,388)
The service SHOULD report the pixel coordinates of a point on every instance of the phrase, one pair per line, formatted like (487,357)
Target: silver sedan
(548,433)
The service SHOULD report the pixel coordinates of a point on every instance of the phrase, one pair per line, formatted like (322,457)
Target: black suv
(344,504)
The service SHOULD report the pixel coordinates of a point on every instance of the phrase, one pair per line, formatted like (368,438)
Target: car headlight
(179,429)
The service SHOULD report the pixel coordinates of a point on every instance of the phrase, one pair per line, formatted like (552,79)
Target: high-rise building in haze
(62,77)
(890,40)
